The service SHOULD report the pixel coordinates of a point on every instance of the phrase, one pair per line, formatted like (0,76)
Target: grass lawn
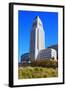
(36,72)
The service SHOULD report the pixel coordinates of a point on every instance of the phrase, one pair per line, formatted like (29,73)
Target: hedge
(45,63)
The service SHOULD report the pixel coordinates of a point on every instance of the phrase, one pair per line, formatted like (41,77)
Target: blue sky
(50,25)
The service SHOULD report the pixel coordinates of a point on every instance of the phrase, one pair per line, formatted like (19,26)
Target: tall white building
(37,41)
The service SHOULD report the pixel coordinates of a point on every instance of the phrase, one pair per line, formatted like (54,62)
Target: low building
(55,47)
(25,58)
(48,53)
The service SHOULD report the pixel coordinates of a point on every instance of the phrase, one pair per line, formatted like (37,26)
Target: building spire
(37,21)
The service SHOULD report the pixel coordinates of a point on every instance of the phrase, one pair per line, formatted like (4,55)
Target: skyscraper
(37,37)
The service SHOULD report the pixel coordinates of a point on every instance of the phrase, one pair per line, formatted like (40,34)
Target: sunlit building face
(37,41)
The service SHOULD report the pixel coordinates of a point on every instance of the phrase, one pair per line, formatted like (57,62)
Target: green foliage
(36,72)
(45,63)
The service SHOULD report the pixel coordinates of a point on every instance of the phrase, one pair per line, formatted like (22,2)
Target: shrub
(45,63)
(45,76)
(37,69)
(37,72)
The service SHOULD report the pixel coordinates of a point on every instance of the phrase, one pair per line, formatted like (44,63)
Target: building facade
(55,47)
(37,37)
(25,58)
(47,54)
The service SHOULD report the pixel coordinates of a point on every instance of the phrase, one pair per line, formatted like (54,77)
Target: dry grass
(36,72)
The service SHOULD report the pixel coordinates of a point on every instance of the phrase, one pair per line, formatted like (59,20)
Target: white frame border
(15,44)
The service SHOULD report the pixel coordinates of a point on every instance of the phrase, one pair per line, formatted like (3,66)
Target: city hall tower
(37,38)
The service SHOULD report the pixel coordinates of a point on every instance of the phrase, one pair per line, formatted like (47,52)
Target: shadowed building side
(25,58)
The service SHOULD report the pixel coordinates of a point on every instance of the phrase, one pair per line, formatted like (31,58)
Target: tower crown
(37,21)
